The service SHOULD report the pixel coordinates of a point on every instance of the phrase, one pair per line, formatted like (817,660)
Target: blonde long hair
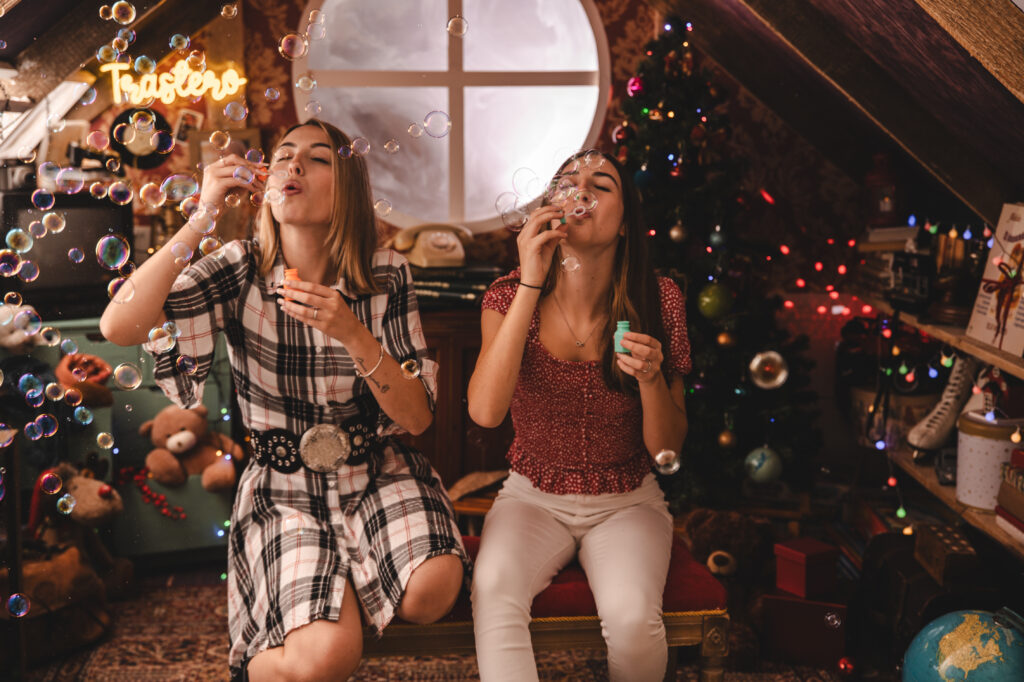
(353,234)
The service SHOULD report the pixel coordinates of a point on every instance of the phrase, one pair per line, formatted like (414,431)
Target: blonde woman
(318,542)
(587,422)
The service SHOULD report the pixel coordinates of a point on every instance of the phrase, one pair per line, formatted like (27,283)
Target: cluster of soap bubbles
(163,338)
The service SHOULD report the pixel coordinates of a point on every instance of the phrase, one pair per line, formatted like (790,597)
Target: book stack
(1010,499)
(463,287)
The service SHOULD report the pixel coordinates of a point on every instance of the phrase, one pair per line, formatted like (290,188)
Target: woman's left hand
(645,358)
(318,306)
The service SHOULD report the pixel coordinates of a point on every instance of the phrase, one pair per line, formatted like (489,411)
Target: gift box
(803,631)
(945,553)
(805,567)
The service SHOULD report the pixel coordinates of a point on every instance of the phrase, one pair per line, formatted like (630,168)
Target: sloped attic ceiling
(941,79)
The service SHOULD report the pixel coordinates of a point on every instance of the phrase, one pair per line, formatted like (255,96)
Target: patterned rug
(175,629)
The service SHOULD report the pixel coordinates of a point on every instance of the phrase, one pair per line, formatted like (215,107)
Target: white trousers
(624,543)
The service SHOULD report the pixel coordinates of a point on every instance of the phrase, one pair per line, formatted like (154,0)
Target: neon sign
(181,81)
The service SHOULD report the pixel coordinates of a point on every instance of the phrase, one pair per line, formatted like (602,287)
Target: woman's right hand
(219,179)
(537,243)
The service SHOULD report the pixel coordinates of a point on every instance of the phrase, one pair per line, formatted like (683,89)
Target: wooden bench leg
(673,664)
(714,647)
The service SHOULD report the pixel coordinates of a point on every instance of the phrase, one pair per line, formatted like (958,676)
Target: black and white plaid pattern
(295,538)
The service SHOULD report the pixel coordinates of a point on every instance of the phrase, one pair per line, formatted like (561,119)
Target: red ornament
(634,86)
(846,666)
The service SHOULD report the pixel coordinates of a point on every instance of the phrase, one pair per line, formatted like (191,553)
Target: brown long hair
(634,294)
(353,235)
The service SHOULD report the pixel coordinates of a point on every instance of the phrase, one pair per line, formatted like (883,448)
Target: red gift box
(805,567)
(803,631)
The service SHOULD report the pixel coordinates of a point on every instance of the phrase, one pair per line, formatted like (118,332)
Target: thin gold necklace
(579,344)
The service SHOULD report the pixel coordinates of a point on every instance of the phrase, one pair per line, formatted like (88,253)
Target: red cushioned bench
(565,617)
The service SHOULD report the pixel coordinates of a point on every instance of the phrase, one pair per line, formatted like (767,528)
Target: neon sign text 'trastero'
(181,81)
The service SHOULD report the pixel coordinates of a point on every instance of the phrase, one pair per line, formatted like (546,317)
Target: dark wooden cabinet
(453,443)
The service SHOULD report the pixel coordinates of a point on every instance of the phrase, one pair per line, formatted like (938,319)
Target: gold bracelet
(379,360)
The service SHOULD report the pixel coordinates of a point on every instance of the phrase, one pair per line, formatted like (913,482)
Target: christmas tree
(750,412)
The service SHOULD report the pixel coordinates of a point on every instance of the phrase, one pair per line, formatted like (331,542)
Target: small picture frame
(189,120)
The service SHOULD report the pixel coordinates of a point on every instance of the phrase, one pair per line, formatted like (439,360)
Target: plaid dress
(295,538)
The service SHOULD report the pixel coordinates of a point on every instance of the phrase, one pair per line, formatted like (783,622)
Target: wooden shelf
(983,521)
(955,337)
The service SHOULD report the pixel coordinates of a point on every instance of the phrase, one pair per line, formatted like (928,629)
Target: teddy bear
(68,504)
(184,445)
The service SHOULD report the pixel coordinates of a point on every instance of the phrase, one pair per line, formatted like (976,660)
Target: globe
(966,645)
(763,465)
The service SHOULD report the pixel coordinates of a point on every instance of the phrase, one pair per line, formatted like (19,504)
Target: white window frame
(455,79)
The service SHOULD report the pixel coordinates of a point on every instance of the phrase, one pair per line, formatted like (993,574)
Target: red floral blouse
(573,435)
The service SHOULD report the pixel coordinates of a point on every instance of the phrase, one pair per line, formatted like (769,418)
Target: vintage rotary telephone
(434,245)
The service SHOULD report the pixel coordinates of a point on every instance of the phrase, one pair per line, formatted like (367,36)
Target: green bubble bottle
(621,327)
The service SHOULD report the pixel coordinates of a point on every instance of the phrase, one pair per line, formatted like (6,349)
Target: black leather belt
(322,448)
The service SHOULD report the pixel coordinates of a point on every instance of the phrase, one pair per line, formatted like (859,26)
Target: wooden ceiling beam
(992,32)
(836,58)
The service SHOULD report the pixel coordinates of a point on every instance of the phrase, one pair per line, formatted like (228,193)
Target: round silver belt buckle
(324,448)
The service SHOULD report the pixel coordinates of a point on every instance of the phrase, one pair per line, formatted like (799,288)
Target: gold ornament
(768,370)
(677,233)
(726,339)
(727,439)
(655,115)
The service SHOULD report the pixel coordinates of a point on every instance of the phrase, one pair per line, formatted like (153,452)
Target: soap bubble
(27,320)
(179,186)
(73,397)
(666,462)
(345,151)
(196,60)
(30,385)
(12,298)
(186,364)
(124,133)
(56,123)
(172,328)
(243,174)
(210,246)
(142,120)
(415,130)
(18,605)
(106,13)
(69,347)
(316,31)
(66,504)
(160,340)
(188,206)
(50,483)
(105,440)
(37,229)
(106,54)
(123,12)
(162,142)
(76,255)
(292,46)
(120,45)
(152,195)
(47,424)
(113,164)
(6,435)
(54,391)
(391,146)
(120,290)
(437,124)
(127,35)
(70,180)
(144,64)
(513,214)
(112,251)
(50,336)
(182,253)
(360,146)
(220,139)
(382,207)
(28,272)
(233,199)
(272,94)
(306,83)
(53,222)
(19,240)
(43,200)
(229,11)
(457,26)
(313,108)
(410,369)
(98,140)
(179,42)
(526,182)
(254,156)
(88,97)
(10,263)
(570,264)
(584,200)
(236,111)
(127,376)
(120,192)
(83,415)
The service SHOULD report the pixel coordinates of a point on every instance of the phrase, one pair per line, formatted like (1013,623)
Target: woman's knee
(634,628)
(432,590)
(327,651)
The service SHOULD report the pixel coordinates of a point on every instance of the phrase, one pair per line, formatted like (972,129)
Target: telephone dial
(434,245)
